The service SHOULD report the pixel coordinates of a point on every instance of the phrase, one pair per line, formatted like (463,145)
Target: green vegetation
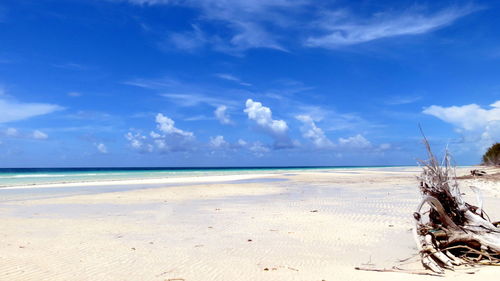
(492,156)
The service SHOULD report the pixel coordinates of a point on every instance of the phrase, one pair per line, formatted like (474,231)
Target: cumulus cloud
(101,147)
(221,115)
(262,115)
(258,149)
(218,142)
(355,142)
(39,135)
(468,117)
(138,142)
(168,138)
(12,111)
(167,126)
(241,143)
(313,133)
(471,120)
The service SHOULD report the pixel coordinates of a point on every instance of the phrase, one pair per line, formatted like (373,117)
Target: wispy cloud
(399,100)
(20,134)
(189,41)
(194,99)
(74,94)
(246,24)
(334,120)
(71,66)
(233,78)
(154,84)
(183,94)
(235,26)
(39,135)
(12,111)
(340,28)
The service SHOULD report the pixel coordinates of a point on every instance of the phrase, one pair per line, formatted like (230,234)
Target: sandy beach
(307,225)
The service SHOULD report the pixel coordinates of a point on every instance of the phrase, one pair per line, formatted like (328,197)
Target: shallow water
(32,176)
(16,194)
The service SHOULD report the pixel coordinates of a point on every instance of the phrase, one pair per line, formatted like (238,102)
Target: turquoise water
(32,176)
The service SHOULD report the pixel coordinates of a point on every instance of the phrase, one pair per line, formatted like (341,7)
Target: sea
(36,176)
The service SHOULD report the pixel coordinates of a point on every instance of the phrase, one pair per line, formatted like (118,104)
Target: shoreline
(179,180)
(189,178)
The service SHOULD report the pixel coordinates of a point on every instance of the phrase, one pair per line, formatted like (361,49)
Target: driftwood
(450,232)
(477,173)
(396,269)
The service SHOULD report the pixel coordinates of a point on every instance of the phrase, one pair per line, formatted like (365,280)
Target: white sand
(314,226)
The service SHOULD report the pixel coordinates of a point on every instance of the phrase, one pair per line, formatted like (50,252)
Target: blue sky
(246,82)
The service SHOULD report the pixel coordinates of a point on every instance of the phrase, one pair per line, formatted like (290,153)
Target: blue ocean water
(36,176)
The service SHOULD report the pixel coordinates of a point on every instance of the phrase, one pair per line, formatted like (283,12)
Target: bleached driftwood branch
(453,232)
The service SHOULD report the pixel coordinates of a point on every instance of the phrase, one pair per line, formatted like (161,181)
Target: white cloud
(12,111)
(355,142)
(342,30)
(468,117)
(138,142)
(336,121)
(15,133)
(169,138)
(385,146)
(241,143)
(155,135)
(39,135)
(245,23)
(472,121)
(101,147)
(182,93)
(218,142)
(167,126)
(233,78)
(277,129)
(313,133)
(258,149)
(11,132)
(234,26)
(187,41)
(264,117)
(194,99)
(399,100)
(221,115)
(161,144)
